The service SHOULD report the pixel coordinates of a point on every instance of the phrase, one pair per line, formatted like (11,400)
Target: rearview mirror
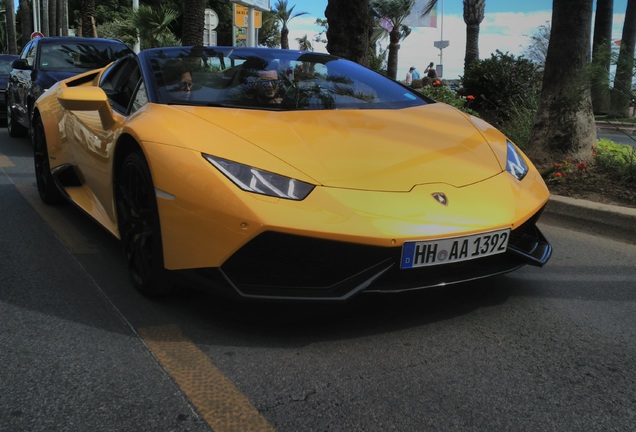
(87,99)
(21,64)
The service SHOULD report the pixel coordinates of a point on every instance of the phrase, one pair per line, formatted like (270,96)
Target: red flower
(558,165)
(558,174)
(581,165)
(470,97)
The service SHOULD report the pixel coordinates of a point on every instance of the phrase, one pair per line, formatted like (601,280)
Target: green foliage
(518,125)
(499,83)
(121,29)
(154,26)
(269,33)
(444,94)
(619,160)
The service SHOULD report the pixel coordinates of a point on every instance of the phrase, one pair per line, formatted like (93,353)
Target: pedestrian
(415,73)
(409,76)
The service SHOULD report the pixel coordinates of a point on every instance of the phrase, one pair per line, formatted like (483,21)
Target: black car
(5,67)
(43,62)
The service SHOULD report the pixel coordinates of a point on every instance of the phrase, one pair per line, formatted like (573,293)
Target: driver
(267,87)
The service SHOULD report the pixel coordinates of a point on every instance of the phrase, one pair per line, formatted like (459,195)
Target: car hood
(382,150)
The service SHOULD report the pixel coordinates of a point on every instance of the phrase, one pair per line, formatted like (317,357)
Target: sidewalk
(611,221)
(610,127)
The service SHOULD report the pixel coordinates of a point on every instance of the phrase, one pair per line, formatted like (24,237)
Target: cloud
(507,32)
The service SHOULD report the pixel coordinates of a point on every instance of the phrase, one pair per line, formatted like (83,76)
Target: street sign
(441,44)
(36,35)
(261,5)
(241,15)
(211,19)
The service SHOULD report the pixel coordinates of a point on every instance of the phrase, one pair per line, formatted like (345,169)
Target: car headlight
(515,164)
(259,181)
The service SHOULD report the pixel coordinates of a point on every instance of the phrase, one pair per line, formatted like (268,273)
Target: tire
(139,227)
(49,193)
(14,128)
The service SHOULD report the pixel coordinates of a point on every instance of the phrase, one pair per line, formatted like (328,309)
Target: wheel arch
(126,144)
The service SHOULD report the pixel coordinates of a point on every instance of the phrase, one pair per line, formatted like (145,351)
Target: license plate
(456,249)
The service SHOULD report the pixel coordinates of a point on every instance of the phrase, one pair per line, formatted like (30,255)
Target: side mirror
(21,64)
(87,99)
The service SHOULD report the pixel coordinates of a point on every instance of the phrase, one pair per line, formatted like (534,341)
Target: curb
(612,221)
(609,127)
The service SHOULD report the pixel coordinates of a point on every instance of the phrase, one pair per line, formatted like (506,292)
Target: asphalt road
(548,349)
(627,137)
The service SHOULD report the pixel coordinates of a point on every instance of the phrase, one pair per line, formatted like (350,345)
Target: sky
(507,27)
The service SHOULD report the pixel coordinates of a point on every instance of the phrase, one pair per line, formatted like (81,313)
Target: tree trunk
(25,20)
(394,47)
(622,93)
(44,17)
(349,29)
(474,11)
(63,17)
(284,38)
(88,14)
(602,56)
(472,45)
(193,22)
(564,122)
(12,46)
(53,27)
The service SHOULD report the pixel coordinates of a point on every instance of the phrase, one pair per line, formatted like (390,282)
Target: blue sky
(317,7)
(507,26)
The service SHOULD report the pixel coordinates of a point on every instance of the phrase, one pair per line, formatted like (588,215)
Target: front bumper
(290,267)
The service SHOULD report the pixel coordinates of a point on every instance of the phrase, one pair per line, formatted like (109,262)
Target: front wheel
(139,227)
(49,193)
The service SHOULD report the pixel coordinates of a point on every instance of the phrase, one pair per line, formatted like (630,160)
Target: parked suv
(43,62)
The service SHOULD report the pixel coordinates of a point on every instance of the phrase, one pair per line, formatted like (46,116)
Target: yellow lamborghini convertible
(274,174)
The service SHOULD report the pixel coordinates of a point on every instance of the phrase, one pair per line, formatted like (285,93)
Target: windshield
(260,78)
(78,57)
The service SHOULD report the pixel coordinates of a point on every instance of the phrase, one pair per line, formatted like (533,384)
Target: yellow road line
(5,161)
(215,397)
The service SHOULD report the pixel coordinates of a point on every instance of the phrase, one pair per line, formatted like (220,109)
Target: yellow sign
(241,17)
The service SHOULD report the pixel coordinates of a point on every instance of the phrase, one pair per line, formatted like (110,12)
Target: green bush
(444,94)
(502,85)
(619,160)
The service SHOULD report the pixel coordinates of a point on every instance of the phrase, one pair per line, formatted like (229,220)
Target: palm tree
(564,122)
(473,16)
(25,19)
(52,17)
(193,22)
(44,18)
(304,43)
(602,55)
(349,29)
(63,17)
(12,47)
(393,12)
(87,11)
(622,93)
(154,25)
(285,15)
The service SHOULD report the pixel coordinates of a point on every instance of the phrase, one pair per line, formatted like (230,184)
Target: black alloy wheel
(139,227)
(49,193)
